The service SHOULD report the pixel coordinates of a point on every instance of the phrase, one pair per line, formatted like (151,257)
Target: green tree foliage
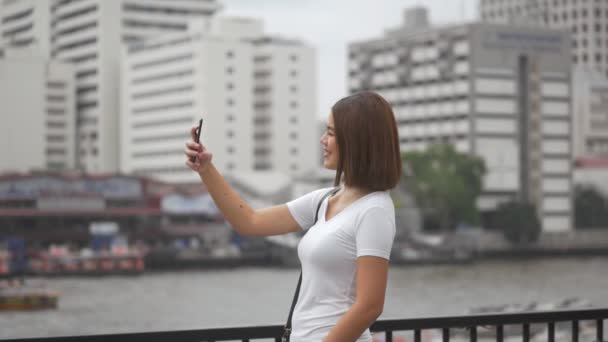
(445,184)
(590,208)
(518,221)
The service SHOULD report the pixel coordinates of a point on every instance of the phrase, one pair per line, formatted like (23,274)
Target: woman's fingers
(191,153)
(194,146)
(193,132)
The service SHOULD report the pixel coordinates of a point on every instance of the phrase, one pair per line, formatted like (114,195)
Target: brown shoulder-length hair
(368,142)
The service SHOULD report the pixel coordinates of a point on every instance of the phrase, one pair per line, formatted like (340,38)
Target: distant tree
(445,184)
(590,208)
(518,221)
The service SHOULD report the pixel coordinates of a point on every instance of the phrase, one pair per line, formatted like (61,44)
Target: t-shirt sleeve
(303,208)
(375,233)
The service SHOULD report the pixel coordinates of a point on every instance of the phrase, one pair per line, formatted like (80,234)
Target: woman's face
(330,148)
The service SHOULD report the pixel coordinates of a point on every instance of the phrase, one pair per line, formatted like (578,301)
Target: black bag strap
(287,330)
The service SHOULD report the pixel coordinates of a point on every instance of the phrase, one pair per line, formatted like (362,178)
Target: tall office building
(89,34)
(285,134)
(37,124)
(256,95)
(500,92)
(587,21)
(26,23)
(149,18)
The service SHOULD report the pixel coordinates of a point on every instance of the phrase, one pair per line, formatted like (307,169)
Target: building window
(294,89)
(230,118)
(293,119)
(230,166)
(229,86)
(94,151)
(293,135)
(230,149)
(294,151)
(293,104)
(293,73)
(294,167)
(230,102)
(293,58)
(230,134)
(229,54)
(229,70)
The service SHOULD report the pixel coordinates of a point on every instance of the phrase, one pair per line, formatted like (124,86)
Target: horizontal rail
(470,322)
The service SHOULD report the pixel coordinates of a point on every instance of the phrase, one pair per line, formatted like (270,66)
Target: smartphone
(197,136)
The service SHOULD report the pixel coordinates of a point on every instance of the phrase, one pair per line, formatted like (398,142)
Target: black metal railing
(447,325)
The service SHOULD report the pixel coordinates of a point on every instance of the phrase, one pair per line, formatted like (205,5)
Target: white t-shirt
(328,254)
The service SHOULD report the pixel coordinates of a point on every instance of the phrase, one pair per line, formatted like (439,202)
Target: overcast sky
(329,25)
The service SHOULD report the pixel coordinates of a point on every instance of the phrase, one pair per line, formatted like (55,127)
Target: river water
(261,296)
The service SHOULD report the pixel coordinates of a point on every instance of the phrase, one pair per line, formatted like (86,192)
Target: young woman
(345,254)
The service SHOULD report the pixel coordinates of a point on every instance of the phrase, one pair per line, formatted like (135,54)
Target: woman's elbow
(372,310)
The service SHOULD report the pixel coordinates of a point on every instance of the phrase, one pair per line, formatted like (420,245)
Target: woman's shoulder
(378,199)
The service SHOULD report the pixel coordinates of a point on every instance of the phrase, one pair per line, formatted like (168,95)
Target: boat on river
(15,295)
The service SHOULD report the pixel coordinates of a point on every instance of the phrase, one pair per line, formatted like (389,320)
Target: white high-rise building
(590,106)
(501,92)
(89,34)
(26,23)
(587,21)
(285,134)
(150,18)
(37,125)
(256,95)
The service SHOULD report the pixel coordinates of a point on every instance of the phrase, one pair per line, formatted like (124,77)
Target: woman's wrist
(204,172)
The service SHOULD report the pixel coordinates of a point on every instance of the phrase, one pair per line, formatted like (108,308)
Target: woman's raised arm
(274,220)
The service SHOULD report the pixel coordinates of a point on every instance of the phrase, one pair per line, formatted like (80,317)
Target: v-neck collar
(345,208)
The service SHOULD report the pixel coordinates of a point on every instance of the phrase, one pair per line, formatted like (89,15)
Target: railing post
(499,333)
(574,331)
(599,325)
(526,332)
(551,331)
(446,334)
(388,336)
(417,336)
(473,333)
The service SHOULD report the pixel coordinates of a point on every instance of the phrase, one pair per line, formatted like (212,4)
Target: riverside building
(500,92)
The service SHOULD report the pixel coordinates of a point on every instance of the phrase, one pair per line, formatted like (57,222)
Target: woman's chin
(328,165)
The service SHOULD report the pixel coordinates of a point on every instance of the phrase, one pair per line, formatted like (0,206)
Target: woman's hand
(202,155)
